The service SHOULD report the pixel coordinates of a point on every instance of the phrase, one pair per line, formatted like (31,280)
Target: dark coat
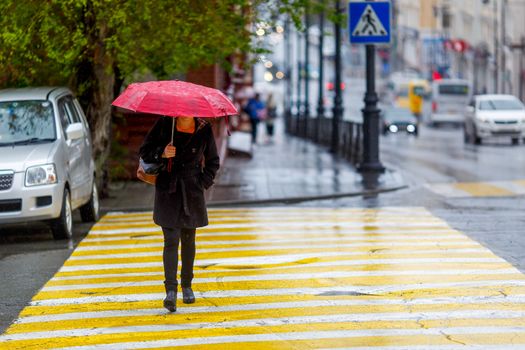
(179,194)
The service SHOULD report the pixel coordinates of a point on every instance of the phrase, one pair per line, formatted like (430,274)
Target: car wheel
(466,137)
(90,212)
(62,227)
(475,137)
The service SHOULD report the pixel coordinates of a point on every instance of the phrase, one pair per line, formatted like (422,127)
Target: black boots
(187,295)
(170,302)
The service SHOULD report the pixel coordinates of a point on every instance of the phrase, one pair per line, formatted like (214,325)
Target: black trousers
(269,128)
(170,256)
(254,123)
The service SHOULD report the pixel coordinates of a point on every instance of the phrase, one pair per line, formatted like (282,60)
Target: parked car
(46,168)
(449,99)
(397,119)
(494,115)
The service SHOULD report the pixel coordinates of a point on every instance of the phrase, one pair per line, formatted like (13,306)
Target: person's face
(185,119)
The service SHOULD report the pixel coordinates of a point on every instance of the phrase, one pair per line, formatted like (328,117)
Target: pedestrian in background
(256,112)
(271,115)
(191,163)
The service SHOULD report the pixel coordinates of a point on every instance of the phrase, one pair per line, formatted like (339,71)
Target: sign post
(369,24)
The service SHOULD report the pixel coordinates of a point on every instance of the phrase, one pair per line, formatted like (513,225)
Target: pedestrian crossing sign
(369,22)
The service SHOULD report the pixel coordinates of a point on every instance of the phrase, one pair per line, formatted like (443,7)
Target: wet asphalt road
(29,256)
(439,155)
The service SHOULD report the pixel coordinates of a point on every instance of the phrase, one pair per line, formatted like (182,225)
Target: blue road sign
(369,22)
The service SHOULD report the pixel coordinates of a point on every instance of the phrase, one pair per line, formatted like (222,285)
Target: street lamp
(320,105)
(298,92)
(289,81)
(338,100)
(306,74)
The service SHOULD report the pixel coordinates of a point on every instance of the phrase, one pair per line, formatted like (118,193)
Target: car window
(26,121)
(72,111)
(453,89)
(419,91)
(503,105)
(81,114)
(63,115)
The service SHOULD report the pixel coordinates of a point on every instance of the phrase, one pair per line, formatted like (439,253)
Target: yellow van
(417,90)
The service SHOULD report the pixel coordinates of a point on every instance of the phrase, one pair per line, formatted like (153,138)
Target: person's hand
(169,151)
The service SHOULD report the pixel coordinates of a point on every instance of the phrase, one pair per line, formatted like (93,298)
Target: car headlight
(393,128)
(411,128)
(41,175)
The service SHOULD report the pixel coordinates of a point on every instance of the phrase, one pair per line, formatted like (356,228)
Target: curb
(290,200)
(285,200)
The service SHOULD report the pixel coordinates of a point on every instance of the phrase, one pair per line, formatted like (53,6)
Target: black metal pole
(320,101)
(289,80)
(371,163)
(496,47)
(338,100)
(521,47)
(298,92)
(503,26)
(306,115)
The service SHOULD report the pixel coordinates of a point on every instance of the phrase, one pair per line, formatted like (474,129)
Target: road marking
(365,264)
(318,278)
(454,303)
(284,337)
(154,251)
(95,327)
(479,189)
(285,277)
(124,244)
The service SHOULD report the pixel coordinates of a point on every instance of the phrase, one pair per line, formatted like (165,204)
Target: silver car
(46,164)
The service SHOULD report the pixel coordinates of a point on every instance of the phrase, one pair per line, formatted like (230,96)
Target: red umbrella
(175,98)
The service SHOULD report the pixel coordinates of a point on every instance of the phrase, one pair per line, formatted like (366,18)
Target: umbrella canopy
(175,98)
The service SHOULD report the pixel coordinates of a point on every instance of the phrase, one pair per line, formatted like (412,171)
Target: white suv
(46,164)
(494,115)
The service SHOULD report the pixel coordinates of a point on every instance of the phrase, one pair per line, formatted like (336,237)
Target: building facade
(479,40)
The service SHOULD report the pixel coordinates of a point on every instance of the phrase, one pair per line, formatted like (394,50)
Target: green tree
(93,46)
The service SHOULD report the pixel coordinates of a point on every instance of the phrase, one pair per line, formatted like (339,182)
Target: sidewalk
(287,170)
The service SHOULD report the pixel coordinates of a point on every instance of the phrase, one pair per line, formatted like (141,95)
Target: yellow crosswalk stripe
(479,189)
(282,278)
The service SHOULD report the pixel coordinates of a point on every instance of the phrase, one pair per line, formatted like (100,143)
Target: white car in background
(494,115)
(449,99)
(46,164)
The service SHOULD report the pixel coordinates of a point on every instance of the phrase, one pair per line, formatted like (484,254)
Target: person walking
(191,163)
(271,115)
(255,110)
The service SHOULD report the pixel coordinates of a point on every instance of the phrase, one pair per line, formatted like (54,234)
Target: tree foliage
(93,46)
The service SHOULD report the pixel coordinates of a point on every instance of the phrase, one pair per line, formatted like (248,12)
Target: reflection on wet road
(439,155)
(282,278)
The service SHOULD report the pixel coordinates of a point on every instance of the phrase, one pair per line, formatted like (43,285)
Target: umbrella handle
(172,129)
(172,133)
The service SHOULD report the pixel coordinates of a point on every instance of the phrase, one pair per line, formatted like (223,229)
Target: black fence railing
(350,145)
